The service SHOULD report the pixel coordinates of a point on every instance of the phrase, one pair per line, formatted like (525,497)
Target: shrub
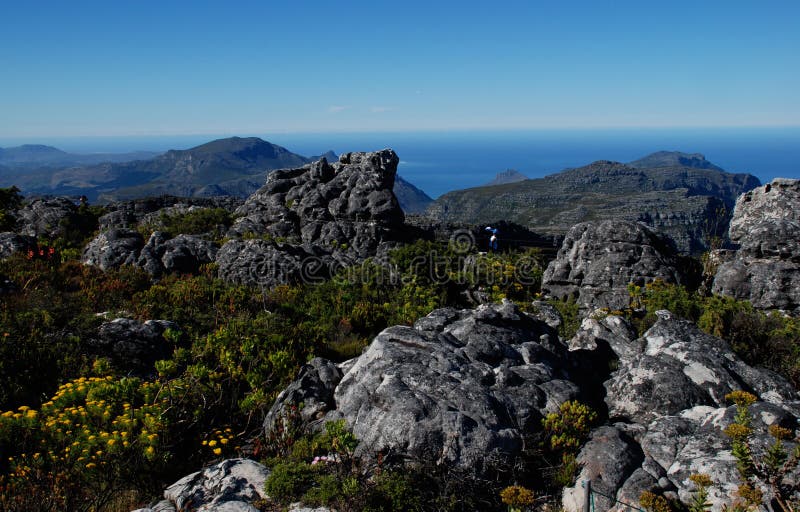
(10,200)
(289,480)
(92,437)
(194,222)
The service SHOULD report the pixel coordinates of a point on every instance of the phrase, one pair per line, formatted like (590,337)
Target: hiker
(493,238)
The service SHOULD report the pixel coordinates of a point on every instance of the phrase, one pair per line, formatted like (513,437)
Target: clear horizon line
(257,132)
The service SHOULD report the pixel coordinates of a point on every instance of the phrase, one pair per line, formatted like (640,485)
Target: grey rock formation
(314,388)
(128,214)
(320,216)
(766,268)
(666,400)
(464,387)
(232,485)
(116,247)
(11,243)
(460,387)
(113,248)
(597,261)
(133,345)
(681,367)
(45,217)
(777,200)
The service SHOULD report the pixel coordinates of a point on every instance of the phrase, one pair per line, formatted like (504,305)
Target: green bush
(10,200)
(289,480)
(199,221)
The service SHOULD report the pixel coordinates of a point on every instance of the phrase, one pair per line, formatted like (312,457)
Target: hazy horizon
(438,161)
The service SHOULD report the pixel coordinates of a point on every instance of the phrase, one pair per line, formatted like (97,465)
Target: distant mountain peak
(674,159)
(507,176)
(232,145)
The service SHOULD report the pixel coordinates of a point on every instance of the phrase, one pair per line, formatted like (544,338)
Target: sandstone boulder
(11,243)
(133,345)
(118,246)
(597,262)
(232,485)
(321,216)
(45,217)
(667,413)
(462,388)
(766,268)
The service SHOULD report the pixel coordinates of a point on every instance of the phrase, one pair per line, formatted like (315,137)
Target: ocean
(438,162)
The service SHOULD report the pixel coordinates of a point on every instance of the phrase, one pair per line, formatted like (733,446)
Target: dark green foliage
(43,325)
(10,200)
(214,221)
(289,480)
(570,317)
(79,228)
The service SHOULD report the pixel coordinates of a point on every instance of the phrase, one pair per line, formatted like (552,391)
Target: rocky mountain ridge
(234,167)
(689,204)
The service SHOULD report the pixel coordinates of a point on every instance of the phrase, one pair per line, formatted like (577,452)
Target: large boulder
(133,345)
(11,243)
(766,268)
(667,409)
(46,217)
(233,485)
(161,254)
(113,248)
(320,215)
(774,201)
(463,388)
(597,262)
(679,367)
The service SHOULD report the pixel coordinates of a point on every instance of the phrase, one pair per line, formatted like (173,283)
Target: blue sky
(84,68)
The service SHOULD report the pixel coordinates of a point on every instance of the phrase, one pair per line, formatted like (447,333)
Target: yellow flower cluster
(89,423)
(219,441)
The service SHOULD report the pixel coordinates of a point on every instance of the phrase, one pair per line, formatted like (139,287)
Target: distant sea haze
(438,162)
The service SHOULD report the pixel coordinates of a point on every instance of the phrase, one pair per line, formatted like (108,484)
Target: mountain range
(683,195)
(225,167)
(37,155)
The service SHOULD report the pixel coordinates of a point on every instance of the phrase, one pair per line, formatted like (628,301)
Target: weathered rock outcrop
(113,248)
(463,388)
(116,247)
(12,242)
(128,214)
(460,387)
(133,345)
(45,217)
(667,409)
(229,486)
(597,261)
(321,215)
(766,268)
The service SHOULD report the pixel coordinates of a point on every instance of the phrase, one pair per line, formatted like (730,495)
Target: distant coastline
(438,162)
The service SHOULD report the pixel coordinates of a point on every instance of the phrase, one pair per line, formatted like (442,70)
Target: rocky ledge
(766,268)
(464,388)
